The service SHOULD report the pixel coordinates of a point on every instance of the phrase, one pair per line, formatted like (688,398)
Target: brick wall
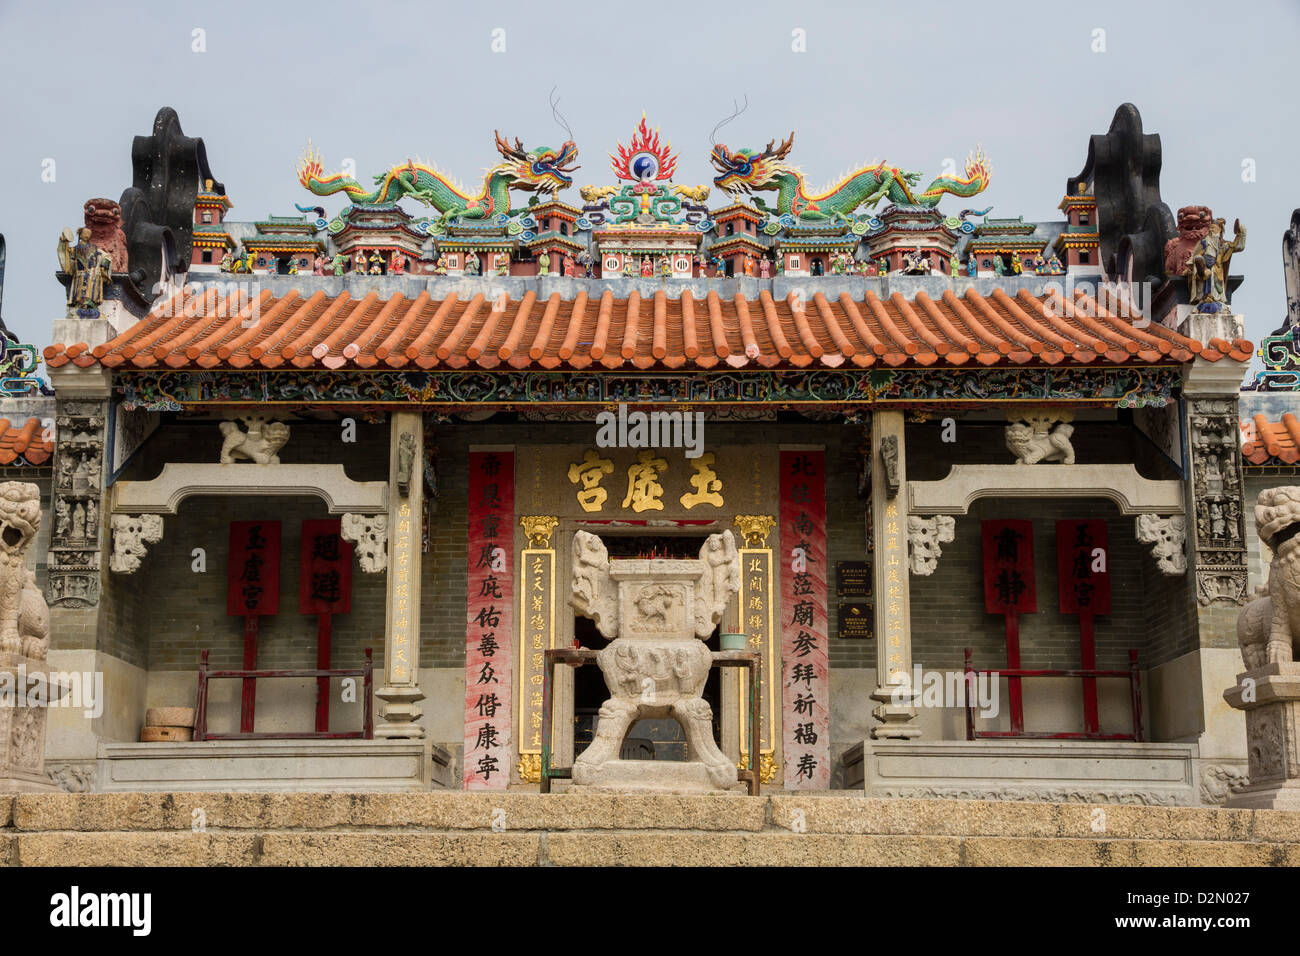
(1150,612)
(984,442)
(443,596)
(165,613)
(162,615)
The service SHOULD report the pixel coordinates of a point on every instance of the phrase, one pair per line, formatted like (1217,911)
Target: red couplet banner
(489,650)
(805,683)
(325,578)
(1008,550)
(1083,566)
(253,577)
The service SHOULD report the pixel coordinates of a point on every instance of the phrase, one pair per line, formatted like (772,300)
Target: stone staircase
(530,829)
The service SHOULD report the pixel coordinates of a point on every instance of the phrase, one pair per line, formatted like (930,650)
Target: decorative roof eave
(265,244)
(474,229)
(276,230)
(213,239)
(738,240)
(914,229)
(663,230)
(554,239)
(387,247)
(357,229)
(643,242)
(1272,443)
(818,230)
(212,201)
(1065,241)
(24,444)
(1007,244)
(1070,202)
(555,205)
(736,210)
(309,329)
(461,243)
(802,244)
(850,390)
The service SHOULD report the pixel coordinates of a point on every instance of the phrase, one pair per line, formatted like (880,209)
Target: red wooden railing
(1013,676)
(366,673)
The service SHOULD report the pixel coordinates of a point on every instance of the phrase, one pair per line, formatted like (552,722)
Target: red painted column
(805,679)
(489,649)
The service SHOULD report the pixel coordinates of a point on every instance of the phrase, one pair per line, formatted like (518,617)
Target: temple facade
(328,486)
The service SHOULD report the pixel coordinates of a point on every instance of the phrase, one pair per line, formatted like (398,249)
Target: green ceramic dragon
(748,171)
(543,170)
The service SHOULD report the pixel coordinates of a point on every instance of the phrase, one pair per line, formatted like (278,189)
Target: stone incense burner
(657,614)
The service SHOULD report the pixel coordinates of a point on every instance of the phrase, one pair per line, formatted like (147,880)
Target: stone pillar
(75,561)
(401,692)
(25,696)
(1217,528)
(893,607)
(1270,696)
(1216,543)
(81,614)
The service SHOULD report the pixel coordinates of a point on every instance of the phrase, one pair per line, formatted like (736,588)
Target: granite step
(529,829)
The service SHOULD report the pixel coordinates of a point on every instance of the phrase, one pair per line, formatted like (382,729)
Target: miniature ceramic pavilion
(948,472)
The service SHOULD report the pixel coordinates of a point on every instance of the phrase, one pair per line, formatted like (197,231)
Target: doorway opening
(653,738)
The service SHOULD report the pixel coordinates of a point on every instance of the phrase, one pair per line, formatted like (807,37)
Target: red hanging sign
(1008,552)
(1083,576)
(253,587)
(1008,548)
(1083,566)
(325,581)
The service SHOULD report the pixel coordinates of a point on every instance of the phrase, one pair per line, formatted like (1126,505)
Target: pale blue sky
(910,83)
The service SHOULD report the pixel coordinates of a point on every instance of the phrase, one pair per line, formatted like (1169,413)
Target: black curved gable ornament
(1291,271)
(1123,167)
(4,329)
(168,169)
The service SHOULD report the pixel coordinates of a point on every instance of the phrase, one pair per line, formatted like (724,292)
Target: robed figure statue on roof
(90,268)
(1207,269)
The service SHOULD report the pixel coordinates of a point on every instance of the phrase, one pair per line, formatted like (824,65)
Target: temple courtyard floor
(563,829)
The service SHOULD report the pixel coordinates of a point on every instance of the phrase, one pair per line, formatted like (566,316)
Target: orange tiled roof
(26,442)
(200,330)
(1277,440)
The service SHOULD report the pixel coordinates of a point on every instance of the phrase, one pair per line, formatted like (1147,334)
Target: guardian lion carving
(260,443)
(1032,439)
(1268,627)
(24,615)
